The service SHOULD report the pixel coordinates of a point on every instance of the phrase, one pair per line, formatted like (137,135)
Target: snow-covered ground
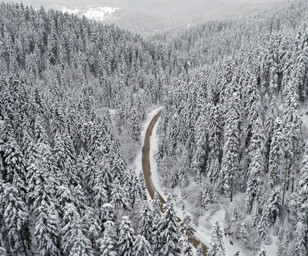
(98,13)
(68,10)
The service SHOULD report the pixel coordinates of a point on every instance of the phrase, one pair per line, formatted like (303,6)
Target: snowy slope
(98,13)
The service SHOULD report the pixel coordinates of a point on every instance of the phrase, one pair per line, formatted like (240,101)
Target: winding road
(146,166)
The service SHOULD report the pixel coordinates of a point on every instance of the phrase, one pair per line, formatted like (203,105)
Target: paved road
(146,166)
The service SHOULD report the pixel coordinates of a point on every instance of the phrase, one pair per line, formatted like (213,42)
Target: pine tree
(107,213)
(134,126)
(100,194)
(126,238)
(244,233)
(214,130)
(216,246)
(157,218)
(276,154)
(273,206)
(13,160)
(186,249)
(141,247)
(108,242)
(256,165)
(91,226)
(262,252)
(118,196)
(169,231)
(146,222)
(301,244)
(74,241)
(47,233)
(187,226)
(199,251)
(230,160)
(15,222)
(64,196)
(263,226)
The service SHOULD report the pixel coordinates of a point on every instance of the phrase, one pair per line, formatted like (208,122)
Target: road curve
(146,167)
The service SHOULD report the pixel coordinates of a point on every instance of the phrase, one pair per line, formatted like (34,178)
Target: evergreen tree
(199,251)
(276,154)
(141,247)
(15,222)
(74,241)
(91,227)
(301,244)
(244,233)
(256,165)
(262,252)
(126,238)
(169,231)
(47,233)
(216,246)
(157,218)
(146,222)
(107,213)
(186,249)
(118,196)
(108,242)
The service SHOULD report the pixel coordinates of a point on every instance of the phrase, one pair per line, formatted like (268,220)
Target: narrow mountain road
(146,166)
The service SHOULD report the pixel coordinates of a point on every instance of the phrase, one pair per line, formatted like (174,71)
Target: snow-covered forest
(232,138)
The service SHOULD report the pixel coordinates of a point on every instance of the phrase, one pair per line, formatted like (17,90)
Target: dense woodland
(73,95)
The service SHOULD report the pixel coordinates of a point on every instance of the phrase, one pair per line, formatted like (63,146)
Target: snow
(98,13)
(304,116)
(68,10)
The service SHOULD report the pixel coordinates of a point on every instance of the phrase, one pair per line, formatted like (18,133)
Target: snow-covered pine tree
(216,246)
(187,226)
(146,222)
(276,154)
(15,222)
(256,165)
(47,229)
(199,251)
(301,244)
(108,213)
(109,240)
(157,218)
(74,241)
(262,252)
(141,247)
(186,248)
(118,196)
(169,231)
(126,238)
(91,227)
(230,160)
(214,135)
